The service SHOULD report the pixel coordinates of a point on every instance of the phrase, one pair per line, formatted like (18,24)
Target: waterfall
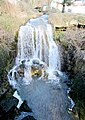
(36,73)
(36,48)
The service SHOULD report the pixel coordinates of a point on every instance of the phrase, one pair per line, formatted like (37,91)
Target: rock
(2,93)
(20,69)
(35,61)
(36,71)
(8,109)
(56,73)
(66,19)
(9,115)
(13,112)
(20,72)
(29,118)
(8,104)
(2,112)
(39,71)
(24,115)
(5,90)
(57,20)
(73,22)
(24,107)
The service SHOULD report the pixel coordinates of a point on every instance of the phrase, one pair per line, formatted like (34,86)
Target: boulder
(9,103)
(8,108)
(20,72)
(29,118)
(35,61)
(36,71)
(74,22)
(5,90)
(39,71)
(2,112)
(24,107)
(25,116)
(66,19)
(9,115)
(57,20)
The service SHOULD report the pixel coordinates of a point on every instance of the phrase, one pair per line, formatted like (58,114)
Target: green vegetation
(7,50)
(73,40)
(78,95)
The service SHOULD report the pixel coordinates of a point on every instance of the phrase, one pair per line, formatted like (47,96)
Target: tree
(66,2)
(63,9)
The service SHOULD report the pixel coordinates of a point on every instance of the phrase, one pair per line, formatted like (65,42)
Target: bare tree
(66,2)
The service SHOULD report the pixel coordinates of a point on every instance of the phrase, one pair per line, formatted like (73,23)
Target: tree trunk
(63,9)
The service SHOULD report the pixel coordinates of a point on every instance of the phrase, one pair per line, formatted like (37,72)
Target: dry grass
(66,19)
(12,17)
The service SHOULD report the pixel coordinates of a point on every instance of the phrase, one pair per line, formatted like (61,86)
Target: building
(56,4)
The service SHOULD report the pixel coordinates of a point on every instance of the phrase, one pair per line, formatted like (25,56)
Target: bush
(78,95)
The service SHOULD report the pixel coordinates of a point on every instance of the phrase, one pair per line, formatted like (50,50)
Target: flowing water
(36,74)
